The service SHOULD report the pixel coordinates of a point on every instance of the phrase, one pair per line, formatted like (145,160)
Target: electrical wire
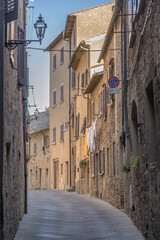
(68,51)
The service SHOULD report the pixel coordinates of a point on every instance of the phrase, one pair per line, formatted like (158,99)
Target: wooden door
(56,174)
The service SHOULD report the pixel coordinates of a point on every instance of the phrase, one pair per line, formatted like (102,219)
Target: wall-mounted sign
(113,90)
(113,82)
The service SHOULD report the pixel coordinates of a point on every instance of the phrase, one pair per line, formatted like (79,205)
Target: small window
(73,79)
(86,77)
(61,132)
(78,82)
(54,135)
(35,149)
(54,62)
(54,97)
(61,169)
(62,92)
(62,55)
(92,165)
(82,82)
(66,125)
(72,115)
(101,169)
(77,125)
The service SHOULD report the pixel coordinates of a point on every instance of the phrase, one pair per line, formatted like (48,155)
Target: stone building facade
(38,165)
(59,113)
(13,127)
(142,183)
(109,127)
(84,29)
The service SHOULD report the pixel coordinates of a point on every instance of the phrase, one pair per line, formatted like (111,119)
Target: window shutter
(82,82)
(11,10)
(103,160)
(92,165)
(54,62)
(62,55)
(99,162)
(78,125)
(62,97)
(92,106)
(86,77)
(21,58)
(78,83)
(54,135)
(72,115)
(54,97)
(73,79)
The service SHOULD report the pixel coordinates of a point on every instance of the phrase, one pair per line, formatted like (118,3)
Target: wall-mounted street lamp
(40,27)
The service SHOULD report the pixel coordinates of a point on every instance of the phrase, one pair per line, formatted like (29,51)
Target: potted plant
(82,163)
(134,161)
(126,167)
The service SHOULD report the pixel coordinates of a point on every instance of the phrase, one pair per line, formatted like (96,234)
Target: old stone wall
(142,192)
(39,163)
(13,168)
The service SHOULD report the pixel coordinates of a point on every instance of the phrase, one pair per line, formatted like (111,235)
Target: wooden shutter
(73,79)
(72,115)
(92,110)
(82,82)
(92,165)
(54,62)
(21,58)
(78,82)
(62,55)
(78,120)
(103,160)
(62,91)
(11,10)
(54,135)
(86,77)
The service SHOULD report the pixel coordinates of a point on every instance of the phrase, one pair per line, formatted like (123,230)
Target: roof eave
(69,25)
(73,64)
(110,30)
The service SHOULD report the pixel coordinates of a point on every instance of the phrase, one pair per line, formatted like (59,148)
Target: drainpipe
(125,77)
(70,169)
(24,125)
(122,76)
(1,111)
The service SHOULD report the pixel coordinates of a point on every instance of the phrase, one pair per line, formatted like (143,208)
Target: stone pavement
(54,214)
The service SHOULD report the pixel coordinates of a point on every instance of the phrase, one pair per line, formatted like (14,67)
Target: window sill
(54,143)
(54,69)
(61,62)
(54,105)
(61,101)
(92,176)
(61,141)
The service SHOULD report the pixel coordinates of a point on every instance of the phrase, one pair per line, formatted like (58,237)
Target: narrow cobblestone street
(55,214)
